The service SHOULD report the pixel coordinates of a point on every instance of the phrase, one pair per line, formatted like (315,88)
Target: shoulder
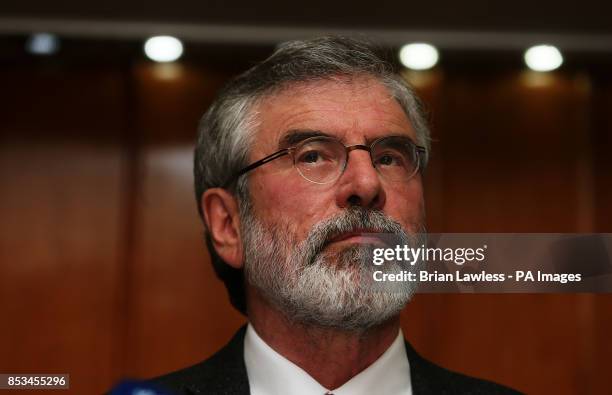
(429,378)
(223,373)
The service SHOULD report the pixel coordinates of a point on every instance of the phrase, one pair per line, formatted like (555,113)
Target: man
(300,163)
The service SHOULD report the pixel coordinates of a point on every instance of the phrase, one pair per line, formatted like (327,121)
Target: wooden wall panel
(179,310)
(428,86)
(509,144)
(513,150)
(61,172)
(538,344)
(601,136)
(600,347)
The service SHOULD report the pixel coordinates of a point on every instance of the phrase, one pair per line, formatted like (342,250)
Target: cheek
(407,204)
(286,201)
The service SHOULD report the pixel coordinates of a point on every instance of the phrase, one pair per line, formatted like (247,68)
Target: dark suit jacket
(225,374)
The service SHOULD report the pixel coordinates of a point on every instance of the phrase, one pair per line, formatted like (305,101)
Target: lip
(362,237)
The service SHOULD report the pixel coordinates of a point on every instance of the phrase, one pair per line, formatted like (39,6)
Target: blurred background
(103,272)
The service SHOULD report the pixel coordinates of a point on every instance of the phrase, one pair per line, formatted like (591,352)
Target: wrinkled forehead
(348,108)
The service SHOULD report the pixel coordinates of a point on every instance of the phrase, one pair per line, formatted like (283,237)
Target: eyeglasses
(323,159)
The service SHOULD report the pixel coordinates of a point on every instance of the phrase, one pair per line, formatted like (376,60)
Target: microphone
(133,387)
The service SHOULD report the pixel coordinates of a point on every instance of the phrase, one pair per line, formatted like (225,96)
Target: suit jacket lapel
(226,373)
(421,373)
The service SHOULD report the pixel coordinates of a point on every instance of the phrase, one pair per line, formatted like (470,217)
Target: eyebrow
(295,136)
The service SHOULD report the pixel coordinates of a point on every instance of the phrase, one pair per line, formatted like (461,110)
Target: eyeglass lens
(322,160)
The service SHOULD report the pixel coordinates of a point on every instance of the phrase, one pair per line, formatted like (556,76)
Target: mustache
(354,219)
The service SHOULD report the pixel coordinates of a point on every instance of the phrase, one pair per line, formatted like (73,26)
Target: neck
(329,355)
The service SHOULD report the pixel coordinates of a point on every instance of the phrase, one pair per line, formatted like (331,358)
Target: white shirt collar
(270,373)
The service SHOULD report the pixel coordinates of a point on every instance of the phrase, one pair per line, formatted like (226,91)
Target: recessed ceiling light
(419,56)
(163,48)
(543,58)
(42,44)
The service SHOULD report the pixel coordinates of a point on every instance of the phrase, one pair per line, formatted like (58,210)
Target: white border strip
(271,35)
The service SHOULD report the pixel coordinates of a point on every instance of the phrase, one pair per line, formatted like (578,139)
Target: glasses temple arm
(254,165)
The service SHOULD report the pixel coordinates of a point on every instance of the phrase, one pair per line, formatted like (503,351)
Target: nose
(360,183)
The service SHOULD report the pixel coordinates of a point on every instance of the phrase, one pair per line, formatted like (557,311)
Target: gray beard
(312,286)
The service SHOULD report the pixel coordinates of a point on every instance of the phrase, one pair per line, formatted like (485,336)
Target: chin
(340,294)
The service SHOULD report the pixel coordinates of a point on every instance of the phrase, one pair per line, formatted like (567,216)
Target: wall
(103,272)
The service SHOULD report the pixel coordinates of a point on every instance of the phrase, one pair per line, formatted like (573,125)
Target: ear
(222,219)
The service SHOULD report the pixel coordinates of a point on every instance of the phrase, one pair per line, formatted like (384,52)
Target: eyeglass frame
(418,149)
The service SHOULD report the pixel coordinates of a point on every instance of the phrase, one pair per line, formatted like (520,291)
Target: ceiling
(586,16)
(468,23)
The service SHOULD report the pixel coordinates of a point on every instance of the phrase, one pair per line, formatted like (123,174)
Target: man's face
(290,212)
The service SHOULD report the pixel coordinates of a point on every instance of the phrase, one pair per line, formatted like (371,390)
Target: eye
(389,159)
(319,154)
(310,157)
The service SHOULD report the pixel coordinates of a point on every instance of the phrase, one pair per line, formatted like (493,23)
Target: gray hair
(227,129)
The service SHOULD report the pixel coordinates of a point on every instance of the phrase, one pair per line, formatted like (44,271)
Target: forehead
(352,110)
